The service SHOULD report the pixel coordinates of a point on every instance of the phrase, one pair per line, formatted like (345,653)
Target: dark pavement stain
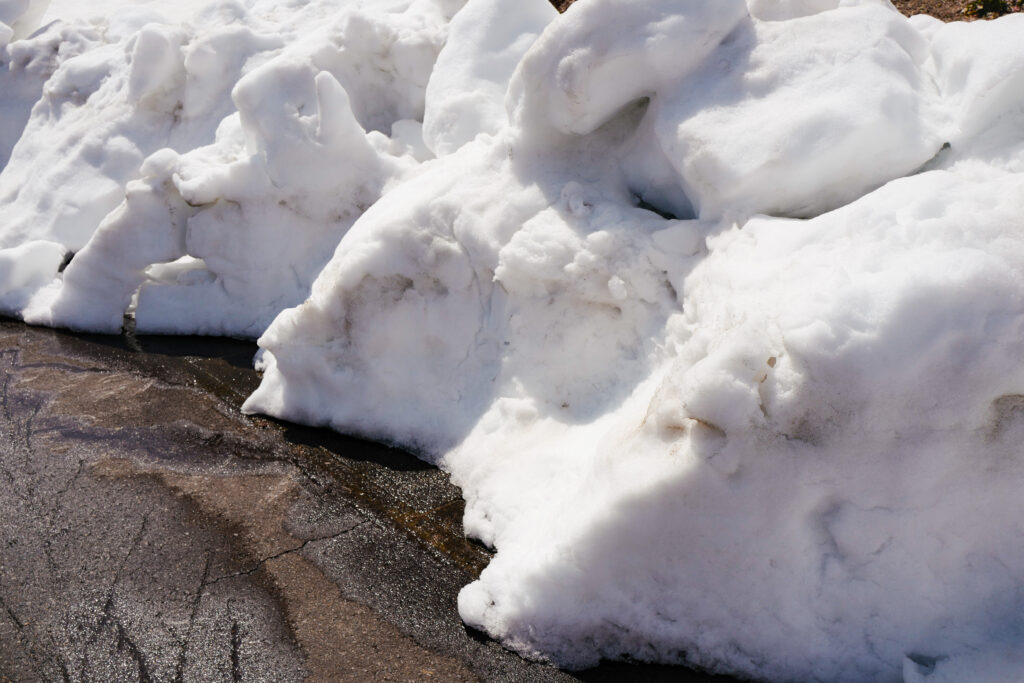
(151,532)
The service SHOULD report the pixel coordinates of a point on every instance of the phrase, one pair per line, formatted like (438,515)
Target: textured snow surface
(714,309)
(239,141)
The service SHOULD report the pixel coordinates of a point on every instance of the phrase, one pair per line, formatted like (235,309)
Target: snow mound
(177,140)
(712,309)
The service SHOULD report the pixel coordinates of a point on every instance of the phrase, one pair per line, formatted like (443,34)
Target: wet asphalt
(151,532)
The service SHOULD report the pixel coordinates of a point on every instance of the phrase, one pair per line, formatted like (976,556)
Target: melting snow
(713,309)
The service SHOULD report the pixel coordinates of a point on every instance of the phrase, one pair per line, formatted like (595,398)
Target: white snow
(466,92)
(190,136)
(21,17)
(713,309)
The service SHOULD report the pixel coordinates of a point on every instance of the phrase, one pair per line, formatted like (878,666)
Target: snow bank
(712,309)
(180,139)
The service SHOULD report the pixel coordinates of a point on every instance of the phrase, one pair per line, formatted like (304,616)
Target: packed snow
(713,308)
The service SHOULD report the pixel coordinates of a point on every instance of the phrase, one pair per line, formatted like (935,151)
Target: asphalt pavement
(151,532)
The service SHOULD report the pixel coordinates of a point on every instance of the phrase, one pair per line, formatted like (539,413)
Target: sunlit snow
(713,308)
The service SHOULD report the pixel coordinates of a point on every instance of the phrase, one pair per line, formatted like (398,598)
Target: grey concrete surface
(150,532)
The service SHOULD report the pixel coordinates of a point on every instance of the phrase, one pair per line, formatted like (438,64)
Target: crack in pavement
(179,671)
(5,403)
(236,644)
(124,641)
(5,385)
(11,614)
(108,605)
(108,618)
(60,494)
(259,564)
(30,450)
(33,656)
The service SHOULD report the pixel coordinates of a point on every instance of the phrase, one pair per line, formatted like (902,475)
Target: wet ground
(151,532)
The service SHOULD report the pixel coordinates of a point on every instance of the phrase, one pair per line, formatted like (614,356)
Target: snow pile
(179,140)
(713,309)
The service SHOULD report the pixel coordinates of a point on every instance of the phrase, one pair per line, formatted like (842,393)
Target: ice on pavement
(713,309)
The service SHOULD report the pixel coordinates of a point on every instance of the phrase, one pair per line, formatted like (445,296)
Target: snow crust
(712,309)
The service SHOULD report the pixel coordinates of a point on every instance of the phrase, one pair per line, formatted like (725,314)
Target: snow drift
(712,309)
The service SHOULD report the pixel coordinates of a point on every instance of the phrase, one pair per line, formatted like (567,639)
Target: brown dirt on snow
(947,10)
